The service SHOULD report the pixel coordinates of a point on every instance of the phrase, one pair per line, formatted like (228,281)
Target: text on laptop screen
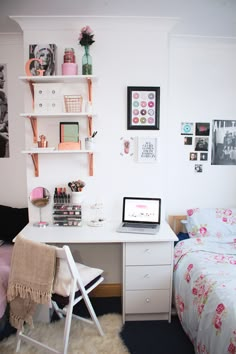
(141,210)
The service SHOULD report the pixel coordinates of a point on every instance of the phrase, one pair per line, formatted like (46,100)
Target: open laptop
(140,215)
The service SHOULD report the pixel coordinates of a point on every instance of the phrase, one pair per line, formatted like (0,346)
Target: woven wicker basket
(73,103)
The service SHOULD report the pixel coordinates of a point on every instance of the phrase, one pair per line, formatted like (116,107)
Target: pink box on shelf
(69,145)
(69,69)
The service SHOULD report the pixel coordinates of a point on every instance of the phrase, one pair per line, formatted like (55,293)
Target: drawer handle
(147,250)
(146,276)
(147,300)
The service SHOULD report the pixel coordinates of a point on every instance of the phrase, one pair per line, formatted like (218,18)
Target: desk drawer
(148,277)
(148,253)
(147,301)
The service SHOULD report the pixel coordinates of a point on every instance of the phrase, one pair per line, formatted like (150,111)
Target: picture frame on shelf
(42,59)
(143,108)
(69,132)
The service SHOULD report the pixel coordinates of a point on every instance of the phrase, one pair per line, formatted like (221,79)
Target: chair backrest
(73,281)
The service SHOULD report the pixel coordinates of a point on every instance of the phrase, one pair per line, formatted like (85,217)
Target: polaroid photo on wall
(201,143)
(193,156)
(186,128)
(198,168)
(203,156)
(202,129)
(188,140)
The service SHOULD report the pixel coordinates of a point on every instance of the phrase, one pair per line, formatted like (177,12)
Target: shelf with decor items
(61,111)
(33,120)
(35,152)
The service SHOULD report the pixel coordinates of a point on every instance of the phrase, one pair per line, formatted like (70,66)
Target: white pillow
(62,279)
(218,222)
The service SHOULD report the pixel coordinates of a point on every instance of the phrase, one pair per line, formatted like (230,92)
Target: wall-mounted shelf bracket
(34,125)
(89,81)
(90,125)
(90,157)
(35,159)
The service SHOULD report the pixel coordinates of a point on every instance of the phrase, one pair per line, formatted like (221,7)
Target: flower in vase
(76,186)
(86,36)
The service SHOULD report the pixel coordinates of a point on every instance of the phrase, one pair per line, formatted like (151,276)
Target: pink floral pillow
(217,222)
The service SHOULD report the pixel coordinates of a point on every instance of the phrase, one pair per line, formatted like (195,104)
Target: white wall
(123,55)
(202,88)
(197,80)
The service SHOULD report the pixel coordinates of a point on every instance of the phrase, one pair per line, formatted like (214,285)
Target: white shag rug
(84,337)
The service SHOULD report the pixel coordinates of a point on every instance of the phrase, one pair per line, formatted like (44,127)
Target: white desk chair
(82,279)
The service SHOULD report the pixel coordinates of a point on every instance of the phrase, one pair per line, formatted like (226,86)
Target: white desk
(147,263)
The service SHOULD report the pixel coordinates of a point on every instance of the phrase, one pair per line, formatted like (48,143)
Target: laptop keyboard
(141,226)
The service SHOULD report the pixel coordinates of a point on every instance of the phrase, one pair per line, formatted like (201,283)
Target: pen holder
(89,143)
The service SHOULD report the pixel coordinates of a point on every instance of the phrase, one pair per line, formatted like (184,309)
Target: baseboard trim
(107,290)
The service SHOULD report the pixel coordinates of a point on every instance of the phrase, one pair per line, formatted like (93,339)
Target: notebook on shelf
(140,215)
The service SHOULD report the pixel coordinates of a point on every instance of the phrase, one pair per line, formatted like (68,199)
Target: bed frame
(175,223)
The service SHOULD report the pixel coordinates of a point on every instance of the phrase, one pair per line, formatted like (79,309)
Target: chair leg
(18,341)
(92,313)
(68,319)
(57,309)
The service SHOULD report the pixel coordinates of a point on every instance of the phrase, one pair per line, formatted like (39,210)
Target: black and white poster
(223,142)
(45,59)
(4,135)
(147,149)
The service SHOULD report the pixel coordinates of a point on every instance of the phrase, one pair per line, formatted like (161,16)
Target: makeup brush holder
(77,197)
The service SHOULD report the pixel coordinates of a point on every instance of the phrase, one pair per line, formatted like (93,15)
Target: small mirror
(40,197)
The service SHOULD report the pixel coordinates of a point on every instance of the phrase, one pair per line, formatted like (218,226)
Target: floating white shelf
(44,151)
(57,78)
(56,115)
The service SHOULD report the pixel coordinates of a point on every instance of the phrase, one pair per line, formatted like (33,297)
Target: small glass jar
(69,55)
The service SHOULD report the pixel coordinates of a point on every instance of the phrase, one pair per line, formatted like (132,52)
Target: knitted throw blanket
(31,279)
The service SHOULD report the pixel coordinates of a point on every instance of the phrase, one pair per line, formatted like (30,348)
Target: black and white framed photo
(203,156)
(223,151)
(201,143)
(4,127)
(198,168)
(147,149)
(143,108)
(45,59)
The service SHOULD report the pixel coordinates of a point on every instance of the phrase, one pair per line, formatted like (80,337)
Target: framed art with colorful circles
(143,108)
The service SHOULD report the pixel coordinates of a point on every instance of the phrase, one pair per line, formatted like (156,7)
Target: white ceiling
(197,17)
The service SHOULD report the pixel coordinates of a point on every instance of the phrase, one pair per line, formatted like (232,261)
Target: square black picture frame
(69,132)
(202,129)
(143,108)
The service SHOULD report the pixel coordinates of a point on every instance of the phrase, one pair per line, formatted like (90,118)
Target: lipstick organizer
(67,214)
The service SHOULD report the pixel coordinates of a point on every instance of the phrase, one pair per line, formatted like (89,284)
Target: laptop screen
(141,210)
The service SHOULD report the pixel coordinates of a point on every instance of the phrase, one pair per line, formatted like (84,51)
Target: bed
(13,220)
(204,280)
(5,262)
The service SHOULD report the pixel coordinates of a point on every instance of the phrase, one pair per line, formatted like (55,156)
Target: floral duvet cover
(205,292)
